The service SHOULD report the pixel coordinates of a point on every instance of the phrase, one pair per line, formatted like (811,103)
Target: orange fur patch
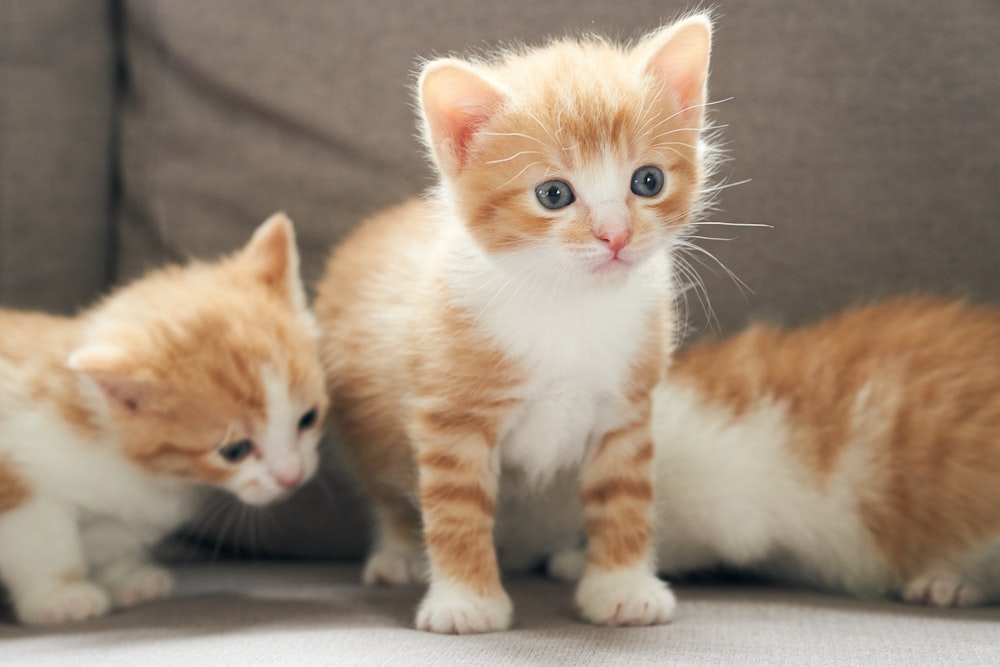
(14,491)
(916,381)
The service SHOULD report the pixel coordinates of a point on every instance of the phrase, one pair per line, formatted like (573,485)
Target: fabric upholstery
(57,79)
(317,614)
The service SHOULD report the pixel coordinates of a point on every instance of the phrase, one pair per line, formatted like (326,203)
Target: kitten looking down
(114,423)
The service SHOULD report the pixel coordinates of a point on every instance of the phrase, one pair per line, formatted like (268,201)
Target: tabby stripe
(458,423)
(14,491)
(466,555)
(621,544)
(439,495)
(620,433)
(612,489)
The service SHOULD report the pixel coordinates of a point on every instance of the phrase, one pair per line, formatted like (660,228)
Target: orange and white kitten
(465,334)
(115,422)
(859,454)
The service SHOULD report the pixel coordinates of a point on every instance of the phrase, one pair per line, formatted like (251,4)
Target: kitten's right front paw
(394,568)
(76,601)
(455,609)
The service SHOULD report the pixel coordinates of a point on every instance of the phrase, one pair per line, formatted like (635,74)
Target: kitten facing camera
(465,334)
(115,423)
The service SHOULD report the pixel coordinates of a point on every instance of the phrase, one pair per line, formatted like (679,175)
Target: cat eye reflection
(647,181)
(554,194)
(235,452)
(308,420)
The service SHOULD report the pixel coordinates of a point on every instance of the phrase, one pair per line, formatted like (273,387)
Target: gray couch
(135,132)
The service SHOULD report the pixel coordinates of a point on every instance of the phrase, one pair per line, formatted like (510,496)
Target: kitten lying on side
(468,333)
(860,454)
(114,422)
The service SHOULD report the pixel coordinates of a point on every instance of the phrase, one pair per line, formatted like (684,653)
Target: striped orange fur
(464,334)
(891,415)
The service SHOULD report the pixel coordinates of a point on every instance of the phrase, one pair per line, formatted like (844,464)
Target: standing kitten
(114,422)
(468,332)
(860,454)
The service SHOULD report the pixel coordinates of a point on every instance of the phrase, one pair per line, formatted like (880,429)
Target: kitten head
(580,157)
(211,372)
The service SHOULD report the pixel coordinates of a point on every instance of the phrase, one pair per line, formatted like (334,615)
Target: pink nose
(614,240)
(290,478)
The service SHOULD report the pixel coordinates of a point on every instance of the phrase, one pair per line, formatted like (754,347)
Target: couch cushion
(57,72)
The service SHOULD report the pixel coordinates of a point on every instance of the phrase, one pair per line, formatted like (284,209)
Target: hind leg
(398,558)
(942,589)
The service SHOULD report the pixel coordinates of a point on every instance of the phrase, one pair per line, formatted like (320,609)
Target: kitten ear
(125,384)
(456,100)
(677,56)
(273,259)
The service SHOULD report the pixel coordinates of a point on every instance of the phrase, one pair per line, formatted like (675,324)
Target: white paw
(567,565)
(455,609)
(76,601)
(140,584)
(628,597)
(395,568)
(942,590)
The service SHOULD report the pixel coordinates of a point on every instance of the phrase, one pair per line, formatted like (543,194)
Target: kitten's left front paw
(628,597)
(137,584)
(456,609)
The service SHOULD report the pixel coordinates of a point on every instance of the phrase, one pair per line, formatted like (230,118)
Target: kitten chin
(193,377)
(520,316)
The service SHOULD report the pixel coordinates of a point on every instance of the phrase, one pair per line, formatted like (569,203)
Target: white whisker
(740,284)
(515,156)
(512,134)
(731,224)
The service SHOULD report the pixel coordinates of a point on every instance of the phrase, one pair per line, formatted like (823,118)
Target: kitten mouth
(612,265)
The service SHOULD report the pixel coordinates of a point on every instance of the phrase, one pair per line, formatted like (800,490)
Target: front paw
(139,583)
(942,590)
(75,601)
(395,568)
(456,609)
(627,597)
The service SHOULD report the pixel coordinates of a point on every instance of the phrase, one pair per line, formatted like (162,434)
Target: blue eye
(647,181)
(554,194)
(235,452)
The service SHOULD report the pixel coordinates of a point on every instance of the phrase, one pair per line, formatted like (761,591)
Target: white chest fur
(91,478)
(578,345)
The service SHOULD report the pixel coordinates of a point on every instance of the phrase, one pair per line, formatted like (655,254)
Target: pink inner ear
(123,393)
(456,102)
(680,62)
(273,256)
